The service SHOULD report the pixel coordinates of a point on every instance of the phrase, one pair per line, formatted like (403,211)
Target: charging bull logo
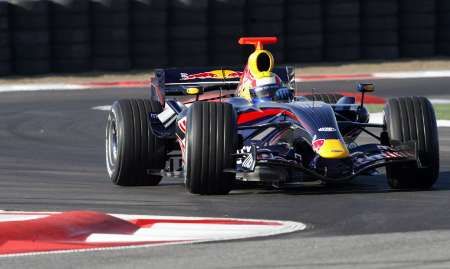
(214,74)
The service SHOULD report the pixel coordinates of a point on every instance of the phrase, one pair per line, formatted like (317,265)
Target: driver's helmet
(265,89)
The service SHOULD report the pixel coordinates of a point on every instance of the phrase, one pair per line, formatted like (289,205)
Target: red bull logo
(317,144)
(214,74)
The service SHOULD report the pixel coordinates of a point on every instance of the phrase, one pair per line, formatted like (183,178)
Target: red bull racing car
(227,126)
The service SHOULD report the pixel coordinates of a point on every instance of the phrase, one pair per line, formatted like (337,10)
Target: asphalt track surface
(52,159)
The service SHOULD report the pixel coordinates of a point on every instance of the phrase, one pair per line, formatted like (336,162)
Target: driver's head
(266,89)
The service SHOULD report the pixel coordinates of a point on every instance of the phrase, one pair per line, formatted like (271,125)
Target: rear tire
(131,147)
(413,119)
(329,98)
(211,141)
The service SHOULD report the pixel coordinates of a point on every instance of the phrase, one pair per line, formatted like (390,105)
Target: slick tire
(131,147)
(211,141)
(413,119)
(329,98)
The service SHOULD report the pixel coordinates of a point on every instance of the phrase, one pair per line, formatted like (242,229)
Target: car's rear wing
(175,81)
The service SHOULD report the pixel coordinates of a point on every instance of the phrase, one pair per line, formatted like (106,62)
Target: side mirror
(363,88)
(366,87)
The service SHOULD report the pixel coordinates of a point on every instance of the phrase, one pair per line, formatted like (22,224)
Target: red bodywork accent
(259,114)
(258,42)
(146,223)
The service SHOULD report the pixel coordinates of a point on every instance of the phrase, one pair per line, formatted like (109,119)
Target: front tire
(131,147)
(413,119)
(211,141)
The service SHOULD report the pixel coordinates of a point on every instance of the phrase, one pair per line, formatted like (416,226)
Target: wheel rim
(111,145)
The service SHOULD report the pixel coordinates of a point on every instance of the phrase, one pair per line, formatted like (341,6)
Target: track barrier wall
(66,36)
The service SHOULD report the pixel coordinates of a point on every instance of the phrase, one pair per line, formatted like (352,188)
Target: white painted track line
(440,101)
(192,232)
(102,108)
(413,74)
(377,118)
(40,87)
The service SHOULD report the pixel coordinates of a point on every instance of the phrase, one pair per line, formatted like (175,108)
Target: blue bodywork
(284,139)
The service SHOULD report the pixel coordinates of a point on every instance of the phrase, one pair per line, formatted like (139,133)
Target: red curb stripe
(149,222)
(67,226)
(118,84)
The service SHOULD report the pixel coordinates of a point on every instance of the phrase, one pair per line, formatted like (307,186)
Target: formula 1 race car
(228,126)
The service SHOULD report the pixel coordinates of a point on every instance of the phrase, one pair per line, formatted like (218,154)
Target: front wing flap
(365,158)
(369,154)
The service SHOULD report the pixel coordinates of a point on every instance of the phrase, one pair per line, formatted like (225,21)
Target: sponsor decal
(214,74)
(317,144)
(249,162)
(327,129)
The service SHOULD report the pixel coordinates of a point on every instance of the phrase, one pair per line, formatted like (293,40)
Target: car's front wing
(364,158)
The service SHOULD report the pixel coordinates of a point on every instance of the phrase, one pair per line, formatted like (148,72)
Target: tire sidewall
(187,153)
(115,116)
